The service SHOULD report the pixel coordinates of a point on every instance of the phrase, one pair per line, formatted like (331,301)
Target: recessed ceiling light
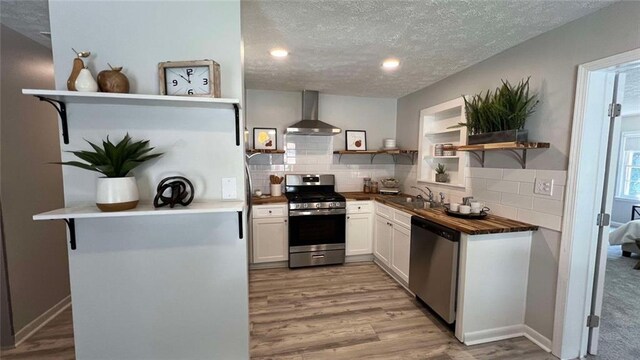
(391,63)
(279,53)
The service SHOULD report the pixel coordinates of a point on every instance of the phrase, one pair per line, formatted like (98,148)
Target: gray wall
(36,251)
(551,60)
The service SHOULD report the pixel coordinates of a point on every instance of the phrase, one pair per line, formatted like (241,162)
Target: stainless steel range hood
(310,125)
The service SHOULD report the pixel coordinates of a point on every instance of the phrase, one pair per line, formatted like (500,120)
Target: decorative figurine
(113,81)
(85,82)
(78,65)
(180,187)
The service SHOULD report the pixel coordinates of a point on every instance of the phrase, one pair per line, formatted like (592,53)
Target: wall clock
(190,78)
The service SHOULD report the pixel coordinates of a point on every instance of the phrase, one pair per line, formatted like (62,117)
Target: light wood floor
(354,312)
(338,312)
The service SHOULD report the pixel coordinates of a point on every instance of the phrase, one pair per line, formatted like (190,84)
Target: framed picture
(265,138)
(356,139)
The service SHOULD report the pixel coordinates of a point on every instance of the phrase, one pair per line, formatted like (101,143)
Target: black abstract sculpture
(181,192)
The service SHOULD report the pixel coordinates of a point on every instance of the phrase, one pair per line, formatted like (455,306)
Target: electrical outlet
(229,189)
(543,187)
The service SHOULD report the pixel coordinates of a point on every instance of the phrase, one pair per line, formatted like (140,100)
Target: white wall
(621,211)
(551,60)
(279,109)
(198,143)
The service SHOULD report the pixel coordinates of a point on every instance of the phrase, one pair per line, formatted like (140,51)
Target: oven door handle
(317,212)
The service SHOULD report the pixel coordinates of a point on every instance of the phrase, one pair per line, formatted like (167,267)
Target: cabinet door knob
(285,220)
(269,211)
(348,217)
(358,207)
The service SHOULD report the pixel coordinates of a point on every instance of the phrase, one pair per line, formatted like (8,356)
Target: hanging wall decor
(265,138)
(356,140)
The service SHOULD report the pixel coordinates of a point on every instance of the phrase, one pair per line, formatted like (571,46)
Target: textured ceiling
(631,99)
(337,46)
(28,17)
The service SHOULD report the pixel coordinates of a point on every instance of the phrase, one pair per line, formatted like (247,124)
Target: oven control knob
(330,204)
(318,206)
(306,205)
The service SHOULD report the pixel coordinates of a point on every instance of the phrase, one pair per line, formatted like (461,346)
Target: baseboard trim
(490,335)
(358,258)
(42,320)
(537,338)
(269,265)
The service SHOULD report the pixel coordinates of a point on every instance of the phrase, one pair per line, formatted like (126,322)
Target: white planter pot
(117,194)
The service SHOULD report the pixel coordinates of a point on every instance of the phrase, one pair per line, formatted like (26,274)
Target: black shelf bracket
(479,155)
(240,231)
(61,108)
(71,224)
(522,159)
(236,108)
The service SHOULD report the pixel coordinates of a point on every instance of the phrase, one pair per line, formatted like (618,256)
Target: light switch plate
(543,187)
(229,188)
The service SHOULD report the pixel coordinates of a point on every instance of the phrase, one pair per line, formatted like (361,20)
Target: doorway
(591,186)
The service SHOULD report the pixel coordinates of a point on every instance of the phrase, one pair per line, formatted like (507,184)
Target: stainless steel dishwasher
(433,267)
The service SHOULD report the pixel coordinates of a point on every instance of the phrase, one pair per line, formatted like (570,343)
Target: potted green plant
(441,175)
(116,191)
(499,116)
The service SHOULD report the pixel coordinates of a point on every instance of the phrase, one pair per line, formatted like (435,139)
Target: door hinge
(593,321)
(615,110)
(603,219)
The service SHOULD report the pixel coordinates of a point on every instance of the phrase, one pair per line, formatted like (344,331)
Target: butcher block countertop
(269,200)
(491,224)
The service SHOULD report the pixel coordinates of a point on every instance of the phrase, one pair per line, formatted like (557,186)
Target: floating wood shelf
(59,98)
(255,152)
(410,154)
(478,150)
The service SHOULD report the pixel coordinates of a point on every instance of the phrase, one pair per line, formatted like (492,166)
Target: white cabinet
(392,240)
(400,250)
(270,233)
(359,228)
(383,233)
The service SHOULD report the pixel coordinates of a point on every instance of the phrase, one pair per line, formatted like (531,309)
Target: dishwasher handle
(440,230)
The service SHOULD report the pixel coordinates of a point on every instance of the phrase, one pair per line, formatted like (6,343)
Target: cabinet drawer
(266,211)
(384,211)
(402,218)
(359,207)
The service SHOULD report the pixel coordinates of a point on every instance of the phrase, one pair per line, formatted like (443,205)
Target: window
(629,166)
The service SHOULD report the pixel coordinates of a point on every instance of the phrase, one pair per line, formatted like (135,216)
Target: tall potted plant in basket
(116,191)
(499,116)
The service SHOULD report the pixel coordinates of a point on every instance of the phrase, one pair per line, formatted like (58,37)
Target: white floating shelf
(440,132)
(455,186)
(75,97)
(143,209)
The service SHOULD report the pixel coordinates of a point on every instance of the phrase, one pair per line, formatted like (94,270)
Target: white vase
(276,189)
(117,194)
(85,81)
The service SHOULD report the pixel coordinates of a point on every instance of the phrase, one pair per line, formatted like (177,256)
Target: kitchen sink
(415,203)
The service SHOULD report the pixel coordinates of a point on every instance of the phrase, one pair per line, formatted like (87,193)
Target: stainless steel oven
(317,221)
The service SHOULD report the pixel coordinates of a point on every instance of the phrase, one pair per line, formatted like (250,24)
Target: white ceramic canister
(117,194)
(276,189)
(85,81)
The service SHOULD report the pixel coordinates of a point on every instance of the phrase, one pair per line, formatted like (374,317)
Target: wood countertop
(492,224)
(268,200)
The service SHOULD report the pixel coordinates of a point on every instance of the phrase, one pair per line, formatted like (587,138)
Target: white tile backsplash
(314,155)
(516,199)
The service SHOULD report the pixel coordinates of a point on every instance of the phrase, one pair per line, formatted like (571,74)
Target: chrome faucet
(429,194)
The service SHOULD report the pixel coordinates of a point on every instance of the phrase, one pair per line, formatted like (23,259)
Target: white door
(270,240)
(608,188)
(400,251)
(359,239)
(382,239)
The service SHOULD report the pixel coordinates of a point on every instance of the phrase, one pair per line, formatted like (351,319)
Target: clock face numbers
(194,80)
